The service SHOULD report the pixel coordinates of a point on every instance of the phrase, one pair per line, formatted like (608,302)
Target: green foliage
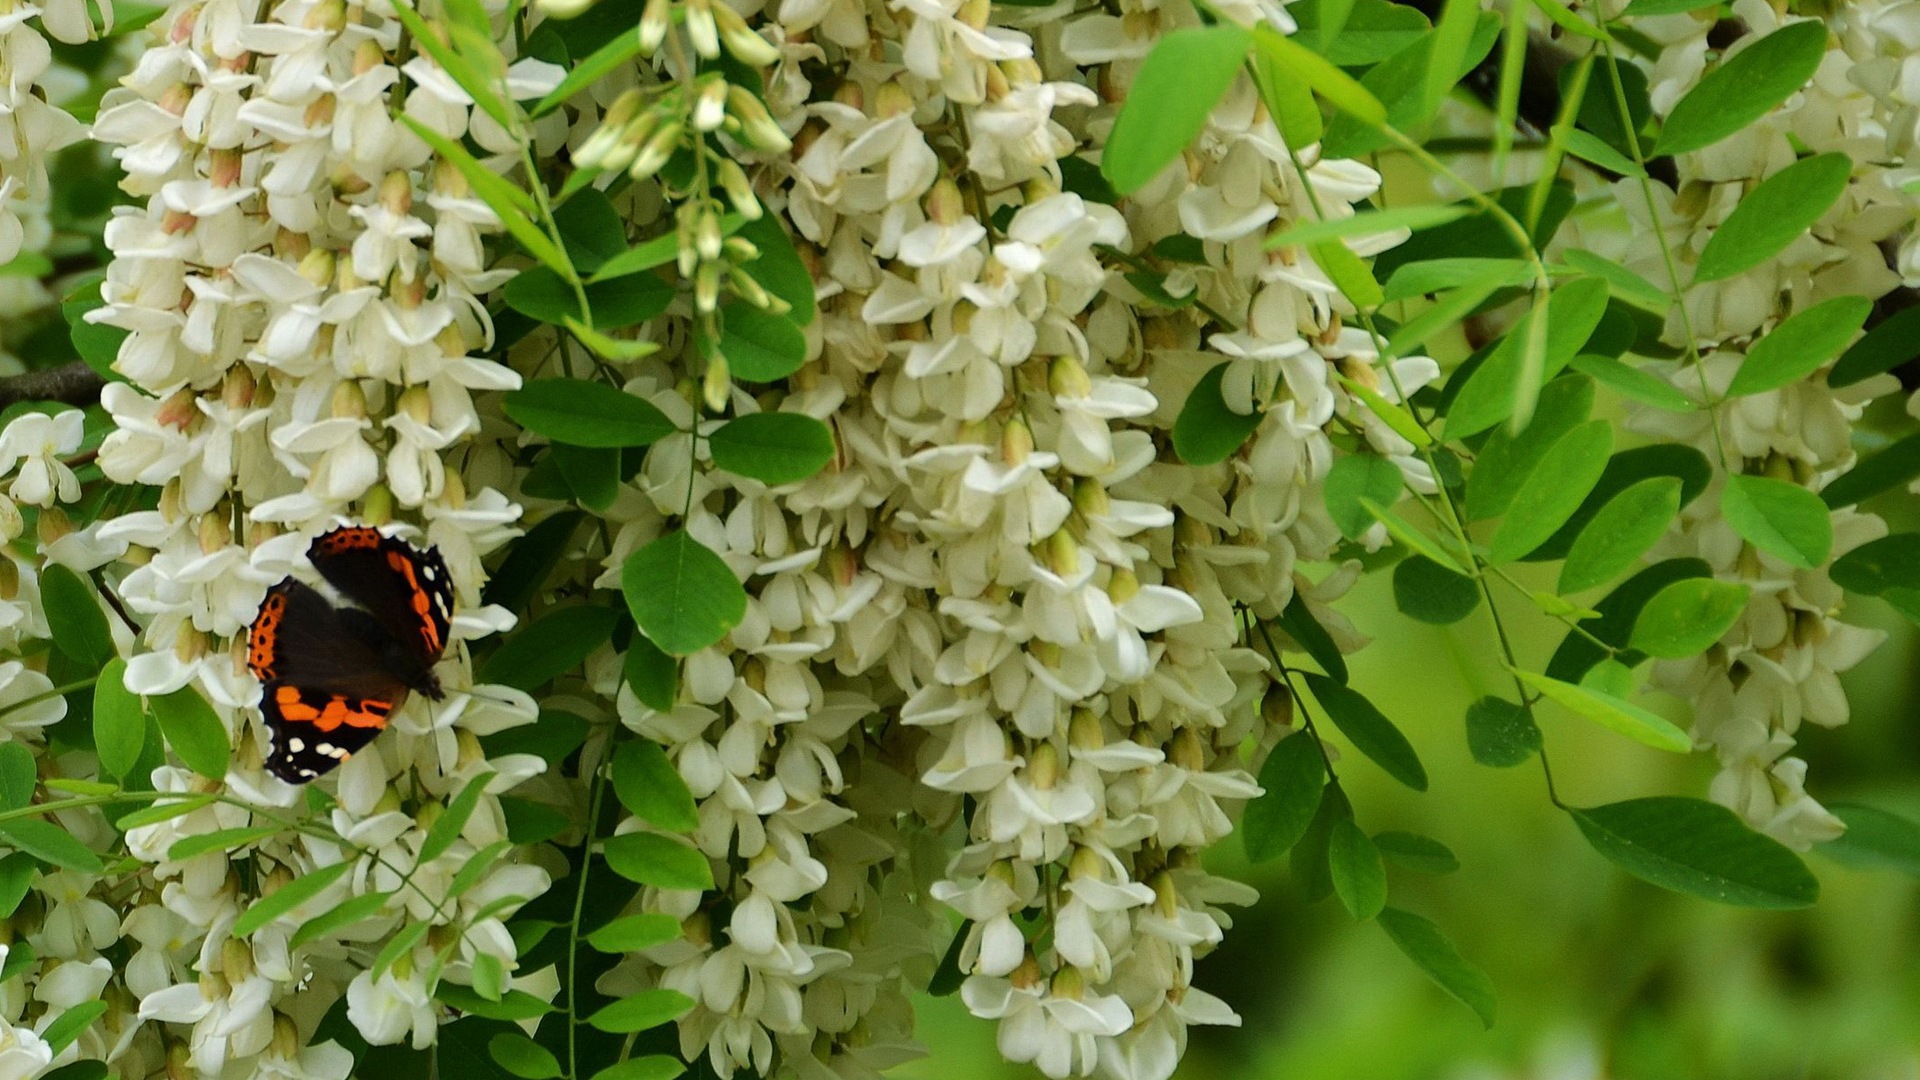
(1369,730)
(1432,953)
(1774,215)
(774,447)
(1744,88)
(1207,431)
(1699,848)
(584,413)
(193,731)
(1800,345)
(1290,782)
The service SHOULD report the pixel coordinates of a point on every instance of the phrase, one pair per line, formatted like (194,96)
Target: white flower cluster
(1779,665)
(31,129)
(1005,608)
(302,290)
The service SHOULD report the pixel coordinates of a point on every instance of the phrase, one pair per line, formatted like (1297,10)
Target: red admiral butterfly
(331,676)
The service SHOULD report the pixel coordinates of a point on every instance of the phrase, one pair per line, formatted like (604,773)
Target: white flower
(35,443)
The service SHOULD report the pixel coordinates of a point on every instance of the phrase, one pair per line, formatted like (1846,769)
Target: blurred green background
(1599,975)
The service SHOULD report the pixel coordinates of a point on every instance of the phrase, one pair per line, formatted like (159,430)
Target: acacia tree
(898,465)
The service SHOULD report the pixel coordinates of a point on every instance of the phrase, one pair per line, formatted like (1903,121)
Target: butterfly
(331,675)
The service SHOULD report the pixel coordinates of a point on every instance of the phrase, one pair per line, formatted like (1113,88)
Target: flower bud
(655,21)
(1068,983)
(733,180)
(53,525)
(236,956)
(376,506)
(756,124)
(710,99)
(9,578)
(1062,554)
(1028,974)
(286,1044)
(657,150)
(746,288)
(716,383)
(746,46)
(1016,442)
(1276,707)
(1090,497)
(702,31)
(945,204)
(1067,378)
(1084,730)
(1043,766)
(1122,585)
(214,534)
(236,390)
(1186,752)
(349,400)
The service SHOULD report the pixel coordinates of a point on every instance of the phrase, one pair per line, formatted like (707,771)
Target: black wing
(407,590)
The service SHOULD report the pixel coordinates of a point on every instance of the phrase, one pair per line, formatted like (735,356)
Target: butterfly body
(332,674)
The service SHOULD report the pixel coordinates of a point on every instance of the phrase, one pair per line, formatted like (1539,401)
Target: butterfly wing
(407,590)
(325,693)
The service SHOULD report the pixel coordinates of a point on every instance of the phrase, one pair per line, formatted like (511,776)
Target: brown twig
(73,383)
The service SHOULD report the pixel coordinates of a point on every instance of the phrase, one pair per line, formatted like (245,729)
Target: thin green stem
(596,792)
(48,695)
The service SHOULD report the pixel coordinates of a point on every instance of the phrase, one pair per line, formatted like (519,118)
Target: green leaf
(682,595)
(51,844)
(657,252)
(1591,148)
(448,826)
(606,346)
(79,1070)
(759,347)
(513,206)
(1884,471)
(653,675)
(289,896)
(1797,347)
(1421,854)
(653,1067)
(1207,432)
(1290,783)
(1500,733)
(1744,88)
(774,448)
(1174,91)
(1413,539)
(1308,861)
(1447,50)
(96,343)
(1894,341)
(1338,87)
(648,784)
(543,294)
(1698,848)
(1396,417)
(73,615)
(592,473)
(1624,469)
(20,958)
(635,932)
(1642,8)
(1633,384)
(1288,98)
(1359,877)
(163,811)
(1610,712)
(18,775)
(513,1005)
(1875,839)
(1297,622)
(1687,617)
(1773,215)
(16,877)
(598,64)
(530,822)
(461,58)
(119,721)
(400,945)
(1875,567)
(779,269)
(1369,730)
(350,911)
(638,1012)
(591,230)
(1553,490)
(194,731)
(1430,593)
(71,1025)
(1368,223)
(1435,275)
(1507,458)
(1372,31)
(223,840)
(586,413)
(660,861)
(1446,311)
(522,1056)
(551,646)
(1348,273)
(1432,953)
(1622,282)
(1357,476)
(1782,519)
(1624,529)
(1488,396)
